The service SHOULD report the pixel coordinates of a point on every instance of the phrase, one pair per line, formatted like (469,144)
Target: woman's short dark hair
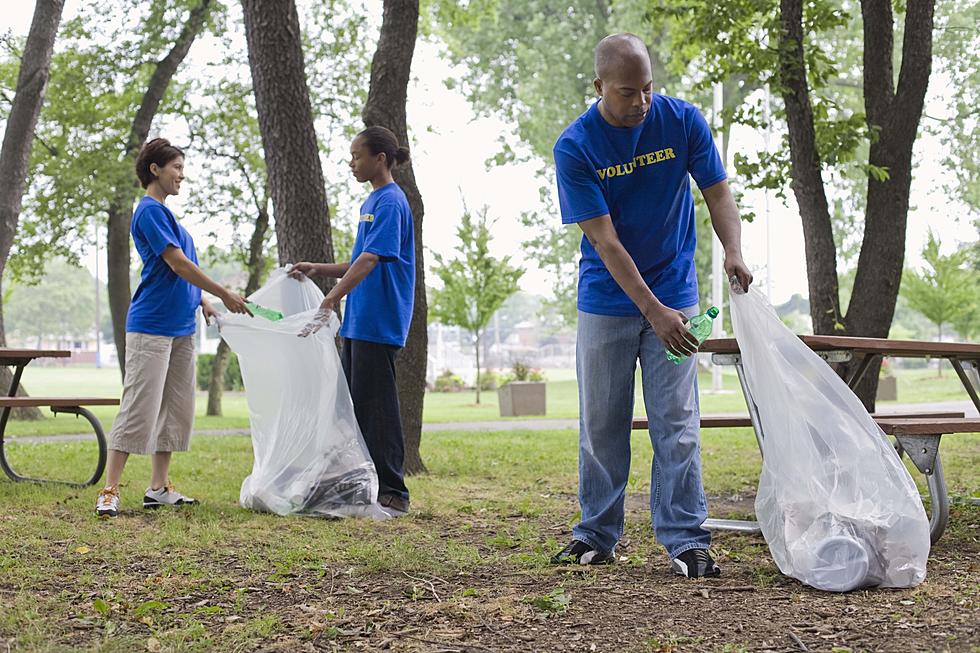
(158,151)
(381,140)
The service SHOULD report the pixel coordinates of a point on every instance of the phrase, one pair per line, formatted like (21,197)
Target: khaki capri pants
(157,411)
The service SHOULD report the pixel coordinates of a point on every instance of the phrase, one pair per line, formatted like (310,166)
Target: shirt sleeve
(158,229)
(579,193)
(704,162)
(383,234)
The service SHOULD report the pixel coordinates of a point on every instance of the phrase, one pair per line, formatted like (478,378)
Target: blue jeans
(607,351)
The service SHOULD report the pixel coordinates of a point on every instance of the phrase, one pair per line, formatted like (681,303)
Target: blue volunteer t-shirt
(639,176)
(164,304)
(379,309)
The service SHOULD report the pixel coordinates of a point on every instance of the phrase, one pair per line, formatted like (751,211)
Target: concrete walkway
(965,406)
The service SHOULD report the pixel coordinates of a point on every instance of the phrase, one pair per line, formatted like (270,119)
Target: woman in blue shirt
(379,283)
(157,409)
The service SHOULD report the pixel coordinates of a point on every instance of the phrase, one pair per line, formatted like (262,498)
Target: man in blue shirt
(623,172)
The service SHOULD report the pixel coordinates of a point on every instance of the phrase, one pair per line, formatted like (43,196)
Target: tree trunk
(895,118)
(477,346)
(896,115)
(256,269)
(807,182)
(18,137)
(282,99)
(120,212)
(390,73)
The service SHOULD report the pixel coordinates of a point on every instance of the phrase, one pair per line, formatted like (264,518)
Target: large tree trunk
(282,99)
(15,154)
(390,72)
(807,182)
(120,212)
(896,115)
(256,269)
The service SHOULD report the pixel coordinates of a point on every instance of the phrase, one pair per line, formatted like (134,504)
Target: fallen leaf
(83,550)
(153,645)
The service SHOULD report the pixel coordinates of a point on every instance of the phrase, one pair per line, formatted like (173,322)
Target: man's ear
(598,86)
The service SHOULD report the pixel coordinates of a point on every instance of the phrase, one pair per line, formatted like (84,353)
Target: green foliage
(449,382)
(946,290)
(103,61)
(489,380)
(233,373)
(957,47)
(59,305)
(475,284)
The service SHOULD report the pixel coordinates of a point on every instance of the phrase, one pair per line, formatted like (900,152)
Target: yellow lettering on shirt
(367,217)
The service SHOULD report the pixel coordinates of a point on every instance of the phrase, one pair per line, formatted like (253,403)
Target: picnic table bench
(19,359)
(917,434)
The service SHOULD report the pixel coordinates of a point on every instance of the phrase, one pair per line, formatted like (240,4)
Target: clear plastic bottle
(700,327)
(262,311)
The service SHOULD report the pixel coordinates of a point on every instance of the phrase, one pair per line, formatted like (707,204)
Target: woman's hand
(235,302)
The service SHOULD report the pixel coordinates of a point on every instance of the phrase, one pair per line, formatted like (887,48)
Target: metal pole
(98,303)
(717,271)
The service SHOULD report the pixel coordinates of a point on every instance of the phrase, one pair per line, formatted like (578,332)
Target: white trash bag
(835,503)
(310,457)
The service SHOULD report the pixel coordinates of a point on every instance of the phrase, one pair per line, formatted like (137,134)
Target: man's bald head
(620,55)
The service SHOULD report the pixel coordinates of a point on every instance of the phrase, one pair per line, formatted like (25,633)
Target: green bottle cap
(712,312)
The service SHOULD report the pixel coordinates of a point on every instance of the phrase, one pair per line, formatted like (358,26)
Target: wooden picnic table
(21,358)
(917,436)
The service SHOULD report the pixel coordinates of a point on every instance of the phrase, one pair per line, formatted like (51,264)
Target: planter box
(887,388)
(522,398)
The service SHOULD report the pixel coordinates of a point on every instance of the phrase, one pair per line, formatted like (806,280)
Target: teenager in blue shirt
(623,171)
(379,283)
(156,414)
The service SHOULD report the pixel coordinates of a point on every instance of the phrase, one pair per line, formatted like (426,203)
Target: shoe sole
(106,514)
(157,504)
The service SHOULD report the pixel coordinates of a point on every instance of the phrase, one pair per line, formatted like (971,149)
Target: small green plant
(449,382)
(555,601)
(489,380)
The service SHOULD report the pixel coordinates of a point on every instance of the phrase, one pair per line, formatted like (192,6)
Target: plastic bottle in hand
(700,327)
(262,311)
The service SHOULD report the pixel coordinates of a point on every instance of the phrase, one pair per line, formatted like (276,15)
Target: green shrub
(233,373)
(489,380)
(449,382)
(521,371)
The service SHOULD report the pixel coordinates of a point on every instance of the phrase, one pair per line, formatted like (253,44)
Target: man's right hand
(302,268)
(671,327)
(235,302)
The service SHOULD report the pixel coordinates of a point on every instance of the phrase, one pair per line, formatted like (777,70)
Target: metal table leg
(965,379)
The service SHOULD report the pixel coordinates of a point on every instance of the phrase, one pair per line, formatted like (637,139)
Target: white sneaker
(107,505)
(165,496)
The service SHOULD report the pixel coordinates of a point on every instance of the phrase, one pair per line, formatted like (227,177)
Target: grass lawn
(467,571)
(562,397)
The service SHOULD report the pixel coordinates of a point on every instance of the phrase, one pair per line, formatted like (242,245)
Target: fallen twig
(799,642)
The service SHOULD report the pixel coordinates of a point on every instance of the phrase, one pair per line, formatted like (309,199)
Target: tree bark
(120,212)
(256,268)
(18,137)
(477,347)
(807,182)
(895,114)
(894,117)
(390,73)
(282,99)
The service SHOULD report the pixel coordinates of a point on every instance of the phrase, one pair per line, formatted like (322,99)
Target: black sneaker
(695,563)
(394,505)
(578,552)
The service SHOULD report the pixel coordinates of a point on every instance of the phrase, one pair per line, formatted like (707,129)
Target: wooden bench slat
(911,426)
(58,402)
(736,421)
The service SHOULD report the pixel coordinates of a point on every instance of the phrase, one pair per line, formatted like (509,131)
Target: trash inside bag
(836,505)
(310,457)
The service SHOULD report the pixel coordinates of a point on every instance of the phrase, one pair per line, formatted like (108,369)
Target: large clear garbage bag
(310,457)
(836,505)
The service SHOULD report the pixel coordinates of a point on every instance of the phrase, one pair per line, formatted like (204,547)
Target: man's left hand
(735,267)
(209,313)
